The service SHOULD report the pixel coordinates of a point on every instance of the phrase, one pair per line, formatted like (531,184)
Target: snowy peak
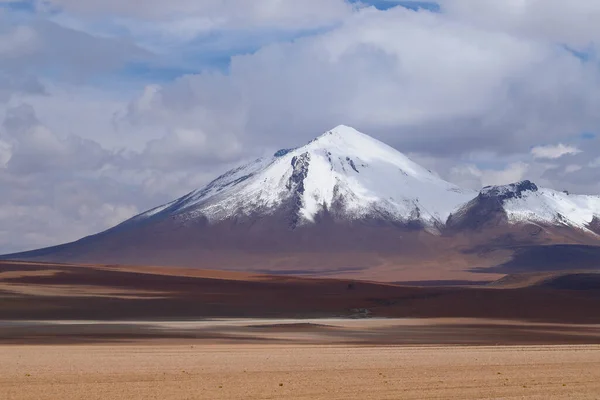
(525,202)
(342,172)
(356,146)
(342,135)
(550,207)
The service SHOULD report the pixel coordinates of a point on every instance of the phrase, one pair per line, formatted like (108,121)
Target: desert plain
(287,371)
(112,332)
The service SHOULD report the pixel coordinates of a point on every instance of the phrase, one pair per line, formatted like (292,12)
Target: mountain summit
(344,173)
(346,204)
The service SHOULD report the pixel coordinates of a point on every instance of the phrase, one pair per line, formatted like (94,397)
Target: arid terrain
(270,371)
(30,291)
(112,332)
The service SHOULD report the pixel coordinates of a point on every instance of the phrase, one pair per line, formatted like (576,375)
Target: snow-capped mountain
(343,172)
(525,203)
(346,204)
(547,206)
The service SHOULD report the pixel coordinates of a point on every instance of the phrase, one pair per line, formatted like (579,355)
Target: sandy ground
(267,371)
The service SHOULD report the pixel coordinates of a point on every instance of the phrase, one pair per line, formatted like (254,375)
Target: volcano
(348,205)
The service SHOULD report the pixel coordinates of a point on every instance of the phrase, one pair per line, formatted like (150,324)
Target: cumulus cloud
(11,85)
(19,41)
(210,14)
(34,48)
(419,80)
(572,23)
(470,175)
(35,148)
(5,153)
(511,173)
(189,148)
(595,163)
(56,209)
(56,191)
(569,169)
(206,24)
(554,151)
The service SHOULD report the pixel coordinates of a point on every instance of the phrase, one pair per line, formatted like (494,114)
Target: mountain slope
(348,205)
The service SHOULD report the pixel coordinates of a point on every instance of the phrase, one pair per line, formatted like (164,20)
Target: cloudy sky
(110,107)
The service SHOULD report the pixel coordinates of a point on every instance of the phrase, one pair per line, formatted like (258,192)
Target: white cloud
(189,147)
(183,20)
(41,47)
(218,13)
(52,209)
(594,163)
(573,22)
(554,151)
(5,153)
(569,169)
(472,176)
(35,148)
(398,74)
(108,214)
(19,41)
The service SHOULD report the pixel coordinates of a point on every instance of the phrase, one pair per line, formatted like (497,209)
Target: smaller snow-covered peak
(551,207)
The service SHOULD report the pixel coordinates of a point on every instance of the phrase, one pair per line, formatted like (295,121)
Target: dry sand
(268,371)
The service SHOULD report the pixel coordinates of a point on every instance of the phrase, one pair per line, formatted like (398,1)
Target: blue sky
(413,5)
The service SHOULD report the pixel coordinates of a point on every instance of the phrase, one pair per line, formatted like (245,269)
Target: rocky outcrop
(507,192)
(300,165)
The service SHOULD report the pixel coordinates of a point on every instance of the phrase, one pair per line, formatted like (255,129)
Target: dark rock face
(506,192)
(300,164)
(296,184)
(351,162)
(594,226)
